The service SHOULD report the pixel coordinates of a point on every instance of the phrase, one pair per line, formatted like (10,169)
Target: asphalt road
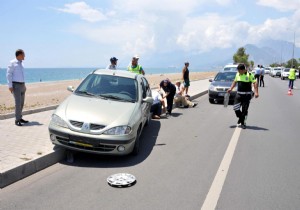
(179,160)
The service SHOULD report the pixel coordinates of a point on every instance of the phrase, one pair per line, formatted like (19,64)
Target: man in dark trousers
(16,84)
(170,91)
(244,81)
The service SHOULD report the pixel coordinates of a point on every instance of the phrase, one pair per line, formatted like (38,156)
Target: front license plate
(81,144)
(221,94)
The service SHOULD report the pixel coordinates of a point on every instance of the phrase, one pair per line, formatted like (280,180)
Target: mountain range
(266,52)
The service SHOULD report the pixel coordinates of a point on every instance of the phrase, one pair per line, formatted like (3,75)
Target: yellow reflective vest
(292,74)
(137,69)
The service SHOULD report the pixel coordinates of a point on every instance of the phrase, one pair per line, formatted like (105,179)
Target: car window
(109,86)
(286,70)
(228,76)
(147,86)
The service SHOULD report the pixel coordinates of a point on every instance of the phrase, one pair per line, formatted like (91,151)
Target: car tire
(136,148)
(211,101)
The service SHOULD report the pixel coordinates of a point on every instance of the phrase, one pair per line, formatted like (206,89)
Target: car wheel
(136,147)
(211,101)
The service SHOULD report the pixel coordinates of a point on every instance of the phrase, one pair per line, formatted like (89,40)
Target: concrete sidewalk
(28,149)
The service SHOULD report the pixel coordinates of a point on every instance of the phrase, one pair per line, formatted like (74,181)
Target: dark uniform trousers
(241,101)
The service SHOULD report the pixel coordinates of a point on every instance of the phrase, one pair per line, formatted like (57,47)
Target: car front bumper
(96,144)
(219,96)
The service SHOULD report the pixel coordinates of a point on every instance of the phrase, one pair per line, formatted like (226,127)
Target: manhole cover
(121,180)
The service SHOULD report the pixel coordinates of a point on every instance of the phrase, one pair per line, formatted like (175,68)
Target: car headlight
(56,120)
(211,87)
(119,130)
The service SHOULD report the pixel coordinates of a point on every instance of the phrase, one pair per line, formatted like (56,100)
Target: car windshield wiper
(85,92)
(116,98)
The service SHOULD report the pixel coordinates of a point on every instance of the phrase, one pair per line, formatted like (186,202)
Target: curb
(27,112)
(31,167)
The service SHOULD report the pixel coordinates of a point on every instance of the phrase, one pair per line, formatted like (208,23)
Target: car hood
(96,110)
(221,84)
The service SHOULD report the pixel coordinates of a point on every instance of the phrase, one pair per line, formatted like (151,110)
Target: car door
(146,92)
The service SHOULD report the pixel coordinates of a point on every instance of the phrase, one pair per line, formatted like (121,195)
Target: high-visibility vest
(136,69)
(244,81)
(292,74)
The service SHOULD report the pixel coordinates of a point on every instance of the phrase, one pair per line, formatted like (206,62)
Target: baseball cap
(136,56)
(113,59)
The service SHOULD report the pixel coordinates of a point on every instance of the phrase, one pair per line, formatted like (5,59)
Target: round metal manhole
(121,180)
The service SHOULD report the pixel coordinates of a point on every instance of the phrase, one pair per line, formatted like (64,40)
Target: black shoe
(18,123)
(24,121)
(195,104)
(243,126)
(187,106)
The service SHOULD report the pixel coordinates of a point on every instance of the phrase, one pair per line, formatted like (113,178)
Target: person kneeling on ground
(158,102)
(180,99)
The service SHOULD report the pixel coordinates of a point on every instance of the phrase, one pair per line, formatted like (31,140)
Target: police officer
(292,77)
(244,81)
(134,67)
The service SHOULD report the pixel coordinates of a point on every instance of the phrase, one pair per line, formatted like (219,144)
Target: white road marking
(213,195)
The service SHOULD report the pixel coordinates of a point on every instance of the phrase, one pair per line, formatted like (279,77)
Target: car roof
(230,65)
(120,73)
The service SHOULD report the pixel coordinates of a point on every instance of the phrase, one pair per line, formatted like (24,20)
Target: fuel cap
(121,180)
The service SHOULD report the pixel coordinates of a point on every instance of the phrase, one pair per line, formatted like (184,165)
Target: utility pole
(293,50)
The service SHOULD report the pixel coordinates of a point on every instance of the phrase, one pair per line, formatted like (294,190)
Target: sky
(59,33)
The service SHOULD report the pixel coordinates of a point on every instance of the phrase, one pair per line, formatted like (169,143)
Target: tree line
(241,57)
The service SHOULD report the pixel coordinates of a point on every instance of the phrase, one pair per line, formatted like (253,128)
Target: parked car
(267,70)
(285,73)
(276,72)
(105,114)
(230,67)
(219,85)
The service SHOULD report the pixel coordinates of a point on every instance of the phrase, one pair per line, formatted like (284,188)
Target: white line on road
(213,195)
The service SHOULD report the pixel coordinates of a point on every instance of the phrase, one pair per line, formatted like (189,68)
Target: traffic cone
(290,92)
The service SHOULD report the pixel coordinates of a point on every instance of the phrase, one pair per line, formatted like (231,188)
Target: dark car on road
(219,85)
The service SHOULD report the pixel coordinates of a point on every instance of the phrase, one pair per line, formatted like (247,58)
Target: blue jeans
(291,83)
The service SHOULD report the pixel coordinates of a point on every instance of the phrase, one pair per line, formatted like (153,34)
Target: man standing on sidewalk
(186,77)
(244,81)
(16,84)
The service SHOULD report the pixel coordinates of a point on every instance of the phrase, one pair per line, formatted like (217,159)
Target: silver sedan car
(104,115)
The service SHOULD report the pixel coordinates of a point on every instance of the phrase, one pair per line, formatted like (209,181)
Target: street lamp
(293,45)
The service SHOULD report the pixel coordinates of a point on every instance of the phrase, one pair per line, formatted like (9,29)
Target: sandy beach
(45,94)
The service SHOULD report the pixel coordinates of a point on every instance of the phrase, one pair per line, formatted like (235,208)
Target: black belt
(19,83)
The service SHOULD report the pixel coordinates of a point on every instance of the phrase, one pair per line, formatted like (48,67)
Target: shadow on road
(251,128)
(148,139)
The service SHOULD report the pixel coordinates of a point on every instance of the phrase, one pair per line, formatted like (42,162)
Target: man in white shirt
(179,98)
(16,84)
(113,63)
(257,74)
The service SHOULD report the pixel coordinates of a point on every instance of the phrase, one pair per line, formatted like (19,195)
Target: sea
(35,75)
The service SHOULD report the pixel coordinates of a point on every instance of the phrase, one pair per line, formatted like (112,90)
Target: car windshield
(286,70)
(225,76)
(109,87)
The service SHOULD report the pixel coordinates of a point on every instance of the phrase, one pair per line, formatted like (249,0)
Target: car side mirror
(148,100)
(210,80)
(70,88)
